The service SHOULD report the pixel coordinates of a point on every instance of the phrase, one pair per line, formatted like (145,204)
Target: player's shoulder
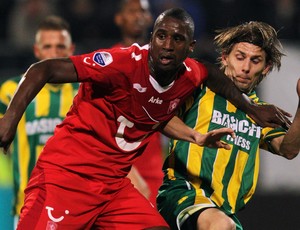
(135,51)
(255,98)
(130,57)
(194,63)
(137,47)
(195,70)
(125,55)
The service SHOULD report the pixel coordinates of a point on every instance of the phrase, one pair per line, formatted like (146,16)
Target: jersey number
(121,142)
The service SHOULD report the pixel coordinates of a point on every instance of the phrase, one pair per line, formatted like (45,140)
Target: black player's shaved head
(179,14)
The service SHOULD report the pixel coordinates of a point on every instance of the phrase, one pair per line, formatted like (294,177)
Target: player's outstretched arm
(263,115)
(176,129)
(52,70)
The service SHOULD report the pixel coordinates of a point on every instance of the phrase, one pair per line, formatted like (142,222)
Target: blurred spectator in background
(133,18)
(94,18)
(52,40)
(83,14)
(285,15)
(24,20)
(97,29)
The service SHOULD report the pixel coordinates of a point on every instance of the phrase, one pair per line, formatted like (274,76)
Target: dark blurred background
(274,205)
(93,27)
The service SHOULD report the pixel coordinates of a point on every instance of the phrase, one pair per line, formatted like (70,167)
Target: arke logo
(155,100)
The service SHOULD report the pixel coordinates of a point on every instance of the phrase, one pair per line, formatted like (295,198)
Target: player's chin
(242,87)
(167,66)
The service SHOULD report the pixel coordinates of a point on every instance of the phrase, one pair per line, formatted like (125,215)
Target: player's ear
(36,51)
(72,49)
(266,69)
(224,59)
(192,46)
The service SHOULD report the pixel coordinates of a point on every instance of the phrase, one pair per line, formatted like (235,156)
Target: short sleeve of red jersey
(101,65)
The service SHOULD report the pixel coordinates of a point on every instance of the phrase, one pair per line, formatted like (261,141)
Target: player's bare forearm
(176,129)
(218,82)
(263,115)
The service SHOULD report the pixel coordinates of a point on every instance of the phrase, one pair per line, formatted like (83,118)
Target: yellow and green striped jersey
(37,124)
(227,177)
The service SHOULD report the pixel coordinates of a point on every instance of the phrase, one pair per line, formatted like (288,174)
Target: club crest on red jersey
(173,105)
(102,58)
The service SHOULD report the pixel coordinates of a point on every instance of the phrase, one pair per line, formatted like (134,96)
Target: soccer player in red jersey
(126,95)
(133,17)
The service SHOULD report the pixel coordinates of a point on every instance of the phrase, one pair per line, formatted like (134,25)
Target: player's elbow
(291,156)
(289,153)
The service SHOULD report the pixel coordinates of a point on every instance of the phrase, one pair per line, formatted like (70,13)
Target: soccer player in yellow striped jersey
(203,187)
(49,108)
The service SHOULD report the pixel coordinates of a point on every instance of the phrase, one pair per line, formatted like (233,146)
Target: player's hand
(7,134)
(270,116)
(212,138)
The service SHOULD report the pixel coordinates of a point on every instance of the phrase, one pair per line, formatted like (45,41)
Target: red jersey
(149,164)
(118,106)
